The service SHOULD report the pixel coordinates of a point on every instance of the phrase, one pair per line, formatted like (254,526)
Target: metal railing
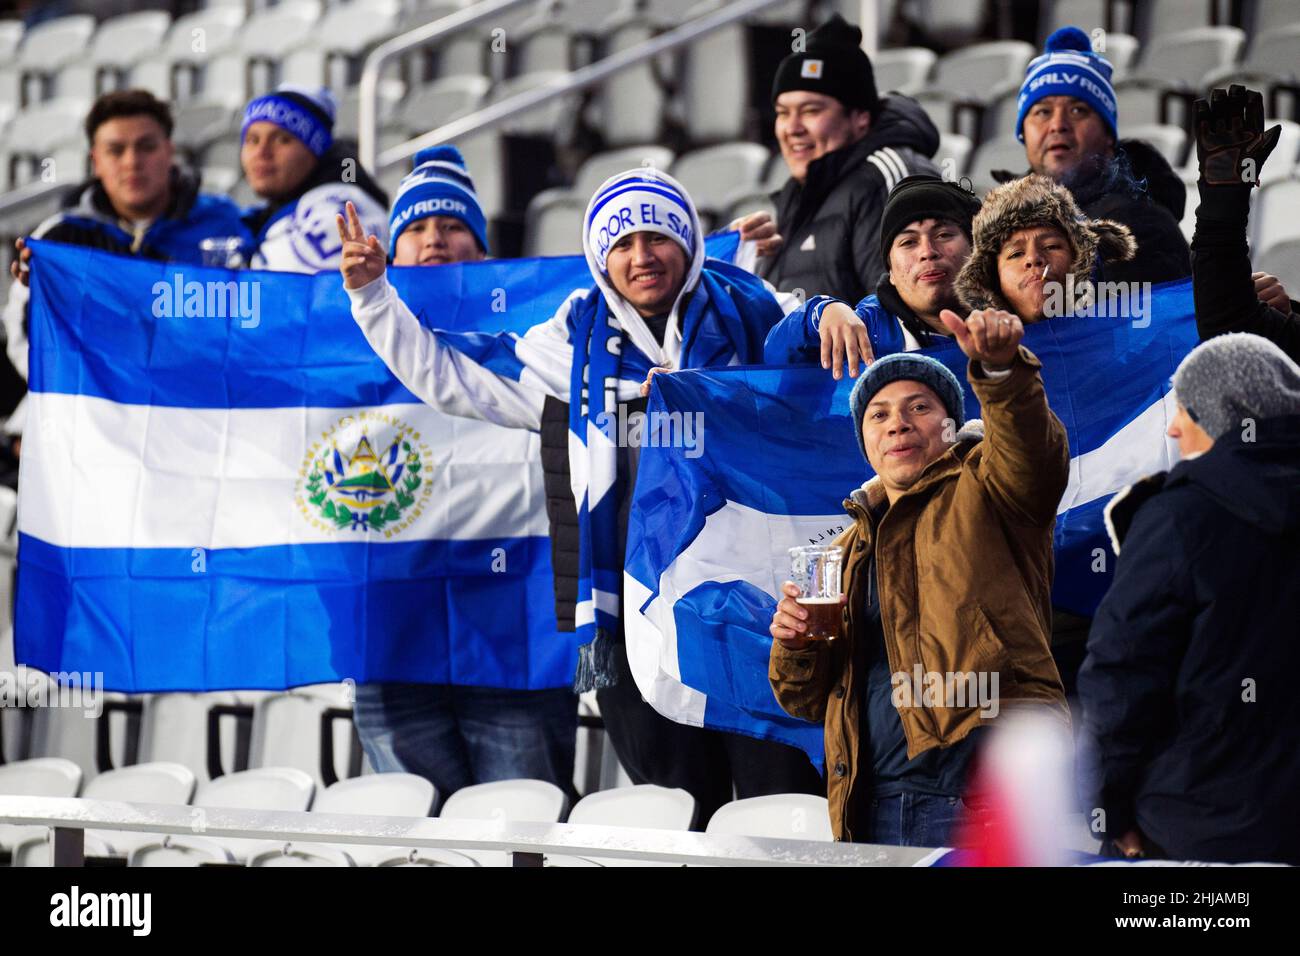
(526,842)
(498,113)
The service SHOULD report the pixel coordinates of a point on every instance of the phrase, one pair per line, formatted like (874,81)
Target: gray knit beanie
(912,367)
(1233,377)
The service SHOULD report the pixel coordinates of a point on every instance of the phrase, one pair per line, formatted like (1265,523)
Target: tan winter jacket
(965,573)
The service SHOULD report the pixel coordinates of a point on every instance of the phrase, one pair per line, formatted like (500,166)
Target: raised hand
(20,267)
(363,260)
(1231,144)
(988,336)
(844,338)
(759,227)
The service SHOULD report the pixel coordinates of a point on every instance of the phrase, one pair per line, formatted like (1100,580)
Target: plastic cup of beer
(815,570)
(222,252)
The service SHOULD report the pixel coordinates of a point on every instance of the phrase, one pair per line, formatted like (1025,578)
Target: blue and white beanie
(1069,67)
(438,185)
(305,112)
(643,200)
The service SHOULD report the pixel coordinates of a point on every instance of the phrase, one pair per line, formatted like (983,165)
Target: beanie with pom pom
(1069,67)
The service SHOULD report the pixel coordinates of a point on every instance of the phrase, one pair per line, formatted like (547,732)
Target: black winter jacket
(1190,715)
(1140,190)
(1221,283)
(831,223)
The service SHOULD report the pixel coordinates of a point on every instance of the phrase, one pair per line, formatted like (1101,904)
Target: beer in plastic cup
(815,570)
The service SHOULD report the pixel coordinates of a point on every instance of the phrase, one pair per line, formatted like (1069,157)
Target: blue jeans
(456,736)
(912,819)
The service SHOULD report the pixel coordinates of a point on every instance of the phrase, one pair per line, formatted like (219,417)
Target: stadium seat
(1285,160)
(953,154)
(600,166)
(287,732)
(543,42)
(1272,56)
(1170,141)
(971,72)
(553,223)
(786,816)
(1263,16)
(999,117)
(1138,101)
(952,24)
(37,777)
(265,788)
(904,69)
(164,783)
(1188,222)
(426,857)
(645,806)
(1157,18)
(71,729)
(628,108)
(505,800)
(212,30)
(380,794)
(744,202)
(268,36)
(16,722)
(1087,15)
(48,47)
(716,172)
(174,727)
(426,108)
(118,45)
(196,123)
(1004,152)
(1183,59)
(391,94)
(940,106)
(36,850)
(11,35)
(1282,260)
(549,118)
(1121,49)
(346,31)
(39,131)
(1274,217)
(301,854)
(181,851)
(714,93)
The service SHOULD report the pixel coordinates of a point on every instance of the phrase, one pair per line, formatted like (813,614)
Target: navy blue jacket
(1191,717)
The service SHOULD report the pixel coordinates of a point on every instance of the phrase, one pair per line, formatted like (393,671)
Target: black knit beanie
(924,196)
(833,64)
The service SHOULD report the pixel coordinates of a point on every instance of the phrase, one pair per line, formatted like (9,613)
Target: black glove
(1231,144)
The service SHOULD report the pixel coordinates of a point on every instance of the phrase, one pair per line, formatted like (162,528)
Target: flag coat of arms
(710,530)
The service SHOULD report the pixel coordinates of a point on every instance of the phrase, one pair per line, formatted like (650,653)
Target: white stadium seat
(629,107)
(598,167)
(50,46)
(1005,152)
(645,806)
(37,777)
(553,223)
(971,72)
(270,34)
(1169,141)
(1184,58)
(506,800)
(712,174)
(786,816)
(192,39)
(905,69)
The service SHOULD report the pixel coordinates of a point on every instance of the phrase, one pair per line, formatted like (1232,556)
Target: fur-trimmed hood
(1030,201)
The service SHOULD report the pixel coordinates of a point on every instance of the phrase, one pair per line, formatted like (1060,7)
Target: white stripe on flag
(1140,447)
(100,474)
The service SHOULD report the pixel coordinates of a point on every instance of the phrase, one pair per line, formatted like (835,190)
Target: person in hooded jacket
(138,202)
(1189,713)
(1068,120)
(658,303)
(291,160)
(846,148)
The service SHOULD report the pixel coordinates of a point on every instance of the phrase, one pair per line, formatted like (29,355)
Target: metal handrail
(70,817)
(30,194)
(368,115)
(580,79)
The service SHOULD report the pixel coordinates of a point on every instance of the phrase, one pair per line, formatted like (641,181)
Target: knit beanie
(438,185)
(1234,377)
(924,196)
(912,367)
(1069,67)
(832,63)
(305,112)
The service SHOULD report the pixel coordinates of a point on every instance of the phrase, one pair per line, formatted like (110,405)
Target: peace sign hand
(363,260)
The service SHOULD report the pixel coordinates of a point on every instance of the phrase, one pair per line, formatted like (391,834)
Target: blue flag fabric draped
(224,487)
(773,461)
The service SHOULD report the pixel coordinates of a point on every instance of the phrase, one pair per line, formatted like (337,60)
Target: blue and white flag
(773,459)
(224,487)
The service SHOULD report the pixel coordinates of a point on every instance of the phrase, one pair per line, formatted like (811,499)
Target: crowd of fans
(871,258)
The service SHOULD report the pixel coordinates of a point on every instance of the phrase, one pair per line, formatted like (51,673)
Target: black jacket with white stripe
(831,223)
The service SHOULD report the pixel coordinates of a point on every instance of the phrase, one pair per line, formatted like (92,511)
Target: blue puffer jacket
(1189,704)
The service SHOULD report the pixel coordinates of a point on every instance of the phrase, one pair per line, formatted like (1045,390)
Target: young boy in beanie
(458,735)
(291,161)
(947,571)
(1066,115)
(657,302)
(846,148)
(925,239)
(1188,712)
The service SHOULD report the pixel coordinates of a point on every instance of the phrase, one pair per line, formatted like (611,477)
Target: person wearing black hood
(1189,714)
(291,160)
(846,148)
(1067,118)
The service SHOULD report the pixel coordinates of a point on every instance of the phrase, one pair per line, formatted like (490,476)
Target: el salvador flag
(245,497)
(711,524)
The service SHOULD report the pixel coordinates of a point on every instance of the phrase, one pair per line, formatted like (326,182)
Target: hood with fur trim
(1031,201)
